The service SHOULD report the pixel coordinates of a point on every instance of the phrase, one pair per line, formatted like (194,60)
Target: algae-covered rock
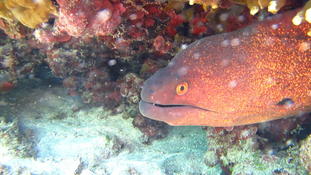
(244,161)
(241,156)
(14,142)
(305,153)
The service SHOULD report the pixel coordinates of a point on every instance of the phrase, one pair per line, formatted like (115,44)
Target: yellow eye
(182,88)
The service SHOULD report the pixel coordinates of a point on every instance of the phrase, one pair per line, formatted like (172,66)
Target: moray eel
(257,74)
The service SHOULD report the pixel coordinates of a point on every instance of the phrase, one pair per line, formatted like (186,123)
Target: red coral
(198,25)
(137,32)
(149,22)
(136,17)
(161,45)
(174,22)
(237,21)
(6,86)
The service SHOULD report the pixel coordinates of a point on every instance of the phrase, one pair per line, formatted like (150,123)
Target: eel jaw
(173,114)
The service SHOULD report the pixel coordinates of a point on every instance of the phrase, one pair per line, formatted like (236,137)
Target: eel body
(257,74)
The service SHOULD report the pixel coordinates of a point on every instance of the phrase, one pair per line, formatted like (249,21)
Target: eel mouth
(176,106)
(169,113)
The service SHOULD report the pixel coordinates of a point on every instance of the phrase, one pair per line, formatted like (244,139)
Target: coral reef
(103,50)
(99,18)
(17,60)
(85,68)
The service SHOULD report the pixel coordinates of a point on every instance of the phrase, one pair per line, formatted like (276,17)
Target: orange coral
(30,13)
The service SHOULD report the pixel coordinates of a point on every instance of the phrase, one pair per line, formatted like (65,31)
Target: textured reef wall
(103,50)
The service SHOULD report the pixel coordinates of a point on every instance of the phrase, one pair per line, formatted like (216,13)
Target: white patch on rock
(104,15)
(223,17)
(220,27)
(112,62)
(44,25)
(241,18)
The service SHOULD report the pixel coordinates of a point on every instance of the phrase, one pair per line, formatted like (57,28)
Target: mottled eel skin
(253,75)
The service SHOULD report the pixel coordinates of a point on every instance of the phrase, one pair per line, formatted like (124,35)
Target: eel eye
(182,88)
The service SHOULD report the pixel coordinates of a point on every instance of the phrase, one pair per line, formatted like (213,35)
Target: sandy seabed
(46,132)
